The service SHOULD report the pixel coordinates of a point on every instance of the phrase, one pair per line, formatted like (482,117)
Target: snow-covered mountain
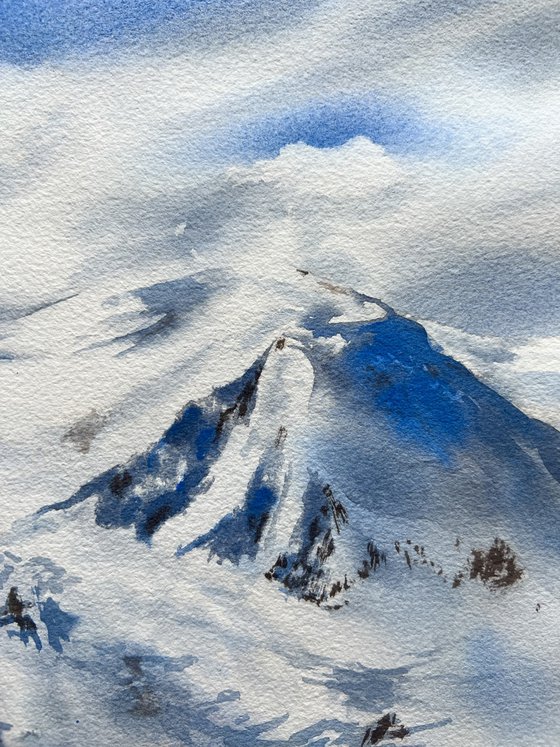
(349,536)
(343,445)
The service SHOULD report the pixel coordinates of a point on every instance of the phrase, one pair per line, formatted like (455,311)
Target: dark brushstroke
(386,726)
(497,567)
(418,557)
(12,314)
(14,613)
(12,556)
(375,558)
(82,434)
(407,556)
(306,571)
(120,482)
(198,436)
(281,437)
(146,702)
(303,572)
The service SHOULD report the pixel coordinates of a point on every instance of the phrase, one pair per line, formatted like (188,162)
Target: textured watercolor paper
(279,373)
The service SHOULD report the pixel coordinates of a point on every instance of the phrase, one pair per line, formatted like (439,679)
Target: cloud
(356,169)
(381,145)
(525,50)
(469,246)
(329,123)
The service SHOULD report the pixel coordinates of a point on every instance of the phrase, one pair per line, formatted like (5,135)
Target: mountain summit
(354,541)
(352,447)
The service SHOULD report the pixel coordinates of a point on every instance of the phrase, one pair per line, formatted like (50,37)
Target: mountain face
(355,542)
(347,446)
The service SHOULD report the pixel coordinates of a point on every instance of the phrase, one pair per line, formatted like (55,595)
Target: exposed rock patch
(386,727)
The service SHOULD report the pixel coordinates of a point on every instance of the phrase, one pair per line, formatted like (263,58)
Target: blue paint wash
(14,615)
(4,726)
(388,369)
(32,31)
(397,126)
(394,363)
(35,31)
(508,688)
(59,624)
(368,690)
(126,495)
(167,307)
(25,633)
(238,533)
(429,398)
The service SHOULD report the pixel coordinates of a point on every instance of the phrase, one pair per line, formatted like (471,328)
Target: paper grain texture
(279,373)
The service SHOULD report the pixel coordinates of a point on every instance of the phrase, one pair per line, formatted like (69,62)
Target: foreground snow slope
(354,541)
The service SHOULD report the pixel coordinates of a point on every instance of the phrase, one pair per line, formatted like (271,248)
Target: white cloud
(354,170)
(106,126)
(100,176)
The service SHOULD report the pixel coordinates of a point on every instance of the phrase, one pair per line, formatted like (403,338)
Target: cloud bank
(409,150)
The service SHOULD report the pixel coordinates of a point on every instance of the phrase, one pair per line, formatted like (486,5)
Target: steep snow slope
(355,542)
(337,447)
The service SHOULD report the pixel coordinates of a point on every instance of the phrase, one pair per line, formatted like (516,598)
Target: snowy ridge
(266,469)
(302,558)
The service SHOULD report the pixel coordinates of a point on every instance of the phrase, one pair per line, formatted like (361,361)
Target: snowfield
(339,536)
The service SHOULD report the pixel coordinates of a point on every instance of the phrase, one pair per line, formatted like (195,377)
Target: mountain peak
(347,446)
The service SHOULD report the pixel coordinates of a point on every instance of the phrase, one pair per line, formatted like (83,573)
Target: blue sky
(35,31)
(32,31)
(328,124)
(125,119)
(396,124)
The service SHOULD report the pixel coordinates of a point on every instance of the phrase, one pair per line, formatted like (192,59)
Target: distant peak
(349,305)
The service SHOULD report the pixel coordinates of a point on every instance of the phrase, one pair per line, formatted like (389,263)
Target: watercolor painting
(279,373)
